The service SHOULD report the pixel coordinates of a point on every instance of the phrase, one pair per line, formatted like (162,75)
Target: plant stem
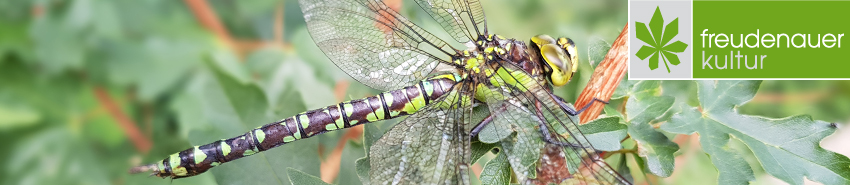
(606,77)
(142,143)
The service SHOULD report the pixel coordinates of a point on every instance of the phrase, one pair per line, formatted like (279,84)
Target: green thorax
(500,63)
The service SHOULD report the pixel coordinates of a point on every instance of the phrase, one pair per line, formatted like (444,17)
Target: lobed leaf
(497,171)
(787,148)
(604,133)
(645,104)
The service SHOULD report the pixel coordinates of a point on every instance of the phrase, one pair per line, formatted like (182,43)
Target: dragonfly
(440,89)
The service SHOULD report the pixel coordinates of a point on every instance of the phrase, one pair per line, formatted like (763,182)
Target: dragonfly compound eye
(572,53)
(541,40)
(559,62)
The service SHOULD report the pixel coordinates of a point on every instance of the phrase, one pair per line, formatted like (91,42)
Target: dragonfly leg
(544,130)
(481,125)
(487,120)
(572,112)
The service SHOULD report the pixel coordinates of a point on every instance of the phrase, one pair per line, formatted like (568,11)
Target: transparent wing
(532,112)
(373,43)
(463,19)
(429,147)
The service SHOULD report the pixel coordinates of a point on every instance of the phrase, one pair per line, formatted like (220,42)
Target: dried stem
(207,17)
(140,141)
(606,77)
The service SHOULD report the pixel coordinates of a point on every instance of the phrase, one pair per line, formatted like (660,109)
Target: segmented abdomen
(386,105)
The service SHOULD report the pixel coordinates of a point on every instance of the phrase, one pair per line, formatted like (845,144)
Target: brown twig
(208,18)
(605,77)
(140,141)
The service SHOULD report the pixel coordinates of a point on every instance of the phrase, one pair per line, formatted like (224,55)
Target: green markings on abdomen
(386,105)
(260,135)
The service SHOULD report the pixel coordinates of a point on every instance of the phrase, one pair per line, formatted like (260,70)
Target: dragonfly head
(560,57)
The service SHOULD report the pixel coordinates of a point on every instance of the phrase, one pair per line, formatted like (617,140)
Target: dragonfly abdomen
(387,105)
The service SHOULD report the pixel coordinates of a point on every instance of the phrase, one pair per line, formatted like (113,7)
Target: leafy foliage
(778,145)
(298,177)
(787,148)
(644,105)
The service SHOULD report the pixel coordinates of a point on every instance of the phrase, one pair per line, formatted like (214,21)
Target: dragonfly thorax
(555,60)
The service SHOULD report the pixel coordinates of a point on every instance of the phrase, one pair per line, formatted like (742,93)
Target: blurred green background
(89,88)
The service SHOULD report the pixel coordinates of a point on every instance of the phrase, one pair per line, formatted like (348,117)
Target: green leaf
(348,169)
(57,45)
(596,50)
(623,89)
(363,169)
(604,133)
(640,162)
(298,178)
(54,156)
(15,115)
(130,63)
(248,100)
(240,120)
(232,105)
(497,171)
(644,105)
(623,167)
(524,151)
(498,129)
(371,133)
(787,148)
(13,36)
(480,148)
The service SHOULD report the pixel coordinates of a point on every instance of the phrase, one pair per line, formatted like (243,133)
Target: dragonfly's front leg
(487,120)
(544,128)
(573,112)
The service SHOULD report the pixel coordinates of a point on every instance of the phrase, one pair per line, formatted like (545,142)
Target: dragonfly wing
(429,147)
(541,113)
(464,20)
(372,42)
